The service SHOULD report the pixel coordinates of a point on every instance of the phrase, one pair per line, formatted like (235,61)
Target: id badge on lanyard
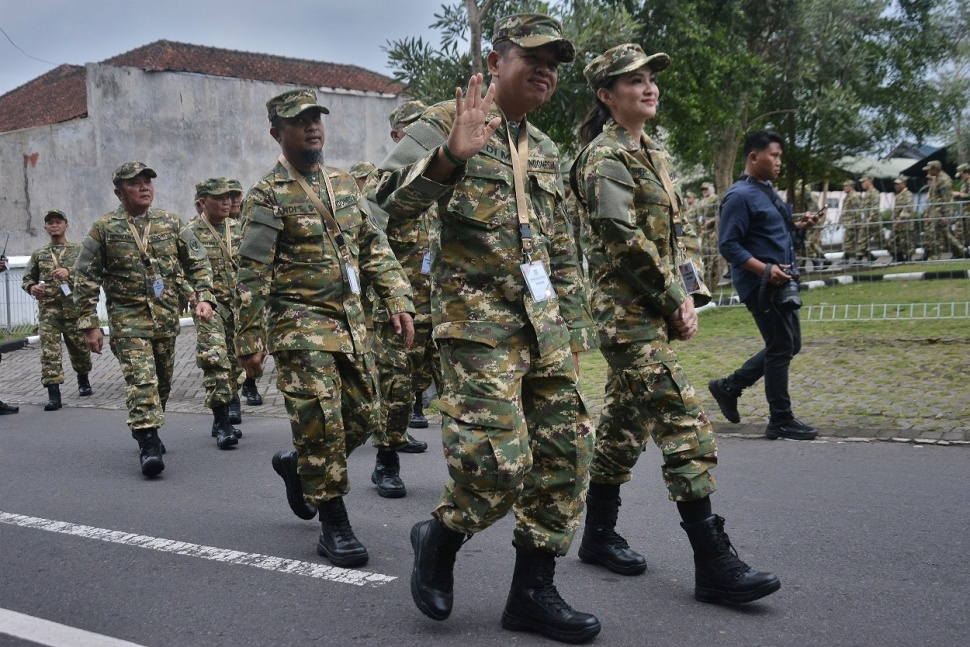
(537,280)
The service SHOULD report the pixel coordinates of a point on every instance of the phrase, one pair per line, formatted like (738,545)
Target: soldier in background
(309,243)
(136,253)
(901,243)
(49,278)
(510,316)
(937,213)
(427,373)
(854,247)
(220,236)
(871,232)
(361,172)
(961,226)
(707,219)
(248,389)
(804,199)
(5,409)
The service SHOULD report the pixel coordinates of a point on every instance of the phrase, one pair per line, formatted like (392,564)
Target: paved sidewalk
(20,384)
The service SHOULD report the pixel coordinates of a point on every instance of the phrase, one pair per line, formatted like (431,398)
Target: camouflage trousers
(215,345)
(331,400)
(147,366)
(903,239)
(648,395)
(714,265)
(937,239)
(855,241)
(813,242)
(399,370)
(50,328)
(516,435)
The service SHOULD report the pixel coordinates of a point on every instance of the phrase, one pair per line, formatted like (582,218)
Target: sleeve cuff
(86,323)
(394,305)
(247,344)
(583,339)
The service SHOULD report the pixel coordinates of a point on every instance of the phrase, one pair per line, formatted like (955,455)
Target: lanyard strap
(57,259)
(520,160)
(140,242)
(328,218)
(660,170)
(226,244)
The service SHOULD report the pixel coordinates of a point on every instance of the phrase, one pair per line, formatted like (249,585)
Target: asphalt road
(870,542)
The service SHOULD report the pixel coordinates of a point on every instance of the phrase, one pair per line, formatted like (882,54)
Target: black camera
(786,297)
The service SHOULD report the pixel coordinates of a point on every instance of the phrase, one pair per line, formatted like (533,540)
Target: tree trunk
(475,16)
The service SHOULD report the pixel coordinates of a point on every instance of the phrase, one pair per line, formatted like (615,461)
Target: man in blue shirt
(757,237)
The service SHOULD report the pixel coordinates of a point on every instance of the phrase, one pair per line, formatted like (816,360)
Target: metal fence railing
(18,310)
(883,311)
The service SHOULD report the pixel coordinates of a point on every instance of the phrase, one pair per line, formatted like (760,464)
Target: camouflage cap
(212,186)
(937,164)
(407,112)
(707,185)
(54,214)
(292,103)
(360,170)
(900,180)
(865,178)
(963,168)
(531,30)
(234,185)
(620,60)
(690,194)
(129,170)
(849,182)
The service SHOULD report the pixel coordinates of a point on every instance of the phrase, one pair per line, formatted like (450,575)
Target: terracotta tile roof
(164,55)
(61,94)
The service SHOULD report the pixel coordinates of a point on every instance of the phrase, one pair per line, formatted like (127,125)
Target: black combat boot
(433,574)
(83,385)
(54,397)
(253,398)
(414,445)
(224,432)
(150,453)
(535,605)
(726,395)
(235,411)
(6,409)
(719,574)
(387,475)
(284,464)
(601,543)
(418,420)
(337,541)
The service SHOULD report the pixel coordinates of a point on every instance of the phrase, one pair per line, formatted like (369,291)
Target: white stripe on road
(266,562)
(52,634)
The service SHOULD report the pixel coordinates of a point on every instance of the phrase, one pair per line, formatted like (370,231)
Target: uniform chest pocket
(546,194)
(483,196)
(349,220)
(649,189)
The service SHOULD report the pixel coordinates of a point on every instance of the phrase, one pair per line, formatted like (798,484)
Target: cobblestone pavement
(848,392)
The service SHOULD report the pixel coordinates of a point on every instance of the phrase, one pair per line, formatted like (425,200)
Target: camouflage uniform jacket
(903,209)
(851,207)
(639,238)
(290,265)
(111,257)
(478,291)
(940,193)
(870,203)
(223,269)
(41,267)
(410,240)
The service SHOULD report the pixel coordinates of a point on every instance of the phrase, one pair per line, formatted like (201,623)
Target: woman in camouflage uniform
(644,269)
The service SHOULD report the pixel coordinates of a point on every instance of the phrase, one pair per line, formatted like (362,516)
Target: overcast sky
(83,31)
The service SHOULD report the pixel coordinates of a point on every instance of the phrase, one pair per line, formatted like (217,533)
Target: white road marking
(52,634)
(266,562)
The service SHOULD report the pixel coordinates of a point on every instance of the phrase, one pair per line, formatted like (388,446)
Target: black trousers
(782,333)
